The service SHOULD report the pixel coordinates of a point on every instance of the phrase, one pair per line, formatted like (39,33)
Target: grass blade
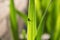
(49,19)
(31,29)
(13,20)
(57,27)
(23,16)
(38,11)
(40,28)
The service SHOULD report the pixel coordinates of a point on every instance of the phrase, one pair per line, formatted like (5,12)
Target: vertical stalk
(49,18)
(13,21)
(40,27)
(57,27)
(38,11)
(31,21)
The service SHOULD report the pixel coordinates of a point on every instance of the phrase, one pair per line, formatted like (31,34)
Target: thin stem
(31,29)
(13,21)
(23,16)
(40,28)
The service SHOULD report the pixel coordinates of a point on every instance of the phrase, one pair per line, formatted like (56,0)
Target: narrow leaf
(31,29)
(23,16)
(57,27)
(13,21)
(38,11)
(40,27)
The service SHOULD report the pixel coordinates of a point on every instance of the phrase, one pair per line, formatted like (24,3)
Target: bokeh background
(51,20)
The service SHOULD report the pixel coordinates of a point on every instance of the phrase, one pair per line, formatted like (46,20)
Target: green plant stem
(38,11)
(31,29)
(23,16)
(14,27)
(49,19)
(57,27)
(40,28)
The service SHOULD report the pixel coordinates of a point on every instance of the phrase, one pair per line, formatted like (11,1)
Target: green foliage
(13,21)
(43,17)
(31,29)
(23,16)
